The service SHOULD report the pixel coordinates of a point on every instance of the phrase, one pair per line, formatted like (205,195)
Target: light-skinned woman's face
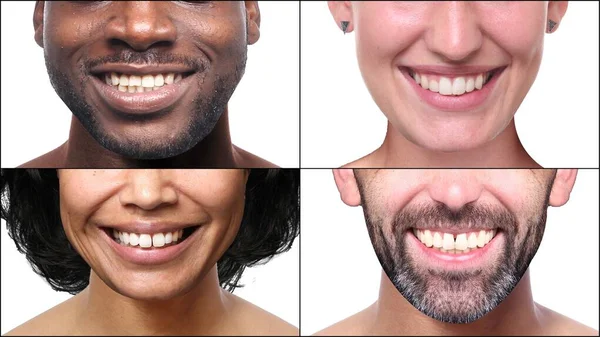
(148,211)
(449,76)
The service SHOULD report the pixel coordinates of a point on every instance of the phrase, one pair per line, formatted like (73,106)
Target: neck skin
(516,315)
(505,150)
(82,150)
(99,310)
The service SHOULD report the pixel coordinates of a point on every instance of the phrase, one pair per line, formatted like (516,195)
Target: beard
(206,112)
(455,296)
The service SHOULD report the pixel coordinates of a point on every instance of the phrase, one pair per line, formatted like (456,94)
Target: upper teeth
(147,240)
(447,86)
(136,83)
(459,243)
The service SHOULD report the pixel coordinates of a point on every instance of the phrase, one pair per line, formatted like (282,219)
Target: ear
(562,187)
(253,19)
(38,22)
(347,186)
(342,11)
(556,11)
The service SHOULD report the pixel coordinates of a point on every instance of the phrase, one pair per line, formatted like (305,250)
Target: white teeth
(168,238)
(148,81)
(122,88)
(445,86)
(479,81)
(470,86)
(158,240)
(134,80)
(418,78)
(458,87)
(134,239)
(126,238)
(139,89)
(134,83)
(131,89)
(145,240)
(169,78)
(433,86)
(114,79)
(159,81)
(424,82)
(449,243)
(124,80)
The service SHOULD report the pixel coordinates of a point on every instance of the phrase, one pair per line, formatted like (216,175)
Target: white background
(557,121)
(340,272)
(263,112)
(273,286)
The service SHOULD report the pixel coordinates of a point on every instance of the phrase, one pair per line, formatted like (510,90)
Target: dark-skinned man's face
(147,79)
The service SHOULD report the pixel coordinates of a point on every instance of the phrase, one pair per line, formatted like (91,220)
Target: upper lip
(452,70)
(149,227)
(140,69)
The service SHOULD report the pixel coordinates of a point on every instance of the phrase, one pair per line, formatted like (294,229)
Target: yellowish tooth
(107,79)
(124,80)
(114,78)
(481,239)
(131,89)
(147,89)
(437,240)
(424,82)
(428,238)
(417,78)
(178,78)
(159,80)
(135,80)
(155,88)
(148,81)
(466,250)
(139,89)
(175,236)
(472,240)
(122,88)
(115,233)
(169,78)
(479,81)
(461,242)
(448,241)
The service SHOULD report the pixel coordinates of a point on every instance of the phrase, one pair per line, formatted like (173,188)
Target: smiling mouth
(150,241)
(455,85)
(455,243)
(141,83)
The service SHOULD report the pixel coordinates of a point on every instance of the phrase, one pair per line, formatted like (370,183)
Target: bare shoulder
(253,320)
(54,321)
(561,325)
(51,159)
(246,159)
(359,324)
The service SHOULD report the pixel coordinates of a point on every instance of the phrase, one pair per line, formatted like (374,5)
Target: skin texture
(484,296)
(208,39)
(178,297)
(394,35)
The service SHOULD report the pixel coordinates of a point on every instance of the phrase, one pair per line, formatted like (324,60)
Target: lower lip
(142,103)
(452,103)
(149,256)
(455,261)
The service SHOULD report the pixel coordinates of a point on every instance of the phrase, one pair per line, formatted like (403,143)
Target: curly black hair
(30,206)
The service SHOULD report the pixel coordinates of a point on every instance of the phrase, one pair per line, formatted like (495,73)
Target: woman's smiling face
(207,204)
(449,76)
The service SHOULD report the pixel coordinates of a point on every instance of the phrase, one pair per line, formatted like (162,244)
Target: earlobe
(556,11)
(342,14)
(38,23)
(253,19)
(562,187)
(347,186)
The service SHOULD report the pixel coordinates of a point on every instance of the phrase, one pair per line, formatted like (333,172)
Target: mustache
(148,57)
(439,216)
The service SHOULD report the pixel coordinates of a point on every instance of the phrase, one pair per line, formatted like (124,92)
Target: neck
(397,151)
(102,311)
(215,150)
(516,315)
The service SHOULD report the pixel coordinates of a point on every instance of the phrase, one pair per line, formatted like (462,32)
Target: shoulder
(52,159)
(55,321)
(246,159)
(254,320)
(559,324)
(359,324)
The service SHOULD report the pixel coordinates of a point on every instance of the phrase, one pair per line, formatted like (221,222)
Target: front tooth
(134,239)
(437,240)
(461,242)
(458,87)
(168,238)
(479,81)
(169,78)
(481,239)
(124,80)
(445,86)
(178,78)
(433,86)
(126,238)
(158,240)
(470,84)
(175,236)
(417,78)
(147,89)
(130,89)
(448,241)
(139,89)
(122,88)
(148,81)
(145,241)
(114,78)
(428,238)
(159,80)
(424,82)
(472,240)
(135,80)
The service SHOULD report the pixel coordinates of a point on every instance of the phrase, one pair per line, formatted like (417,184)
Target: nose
(455,188)
(148,189)
(140,25)
(455,33)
